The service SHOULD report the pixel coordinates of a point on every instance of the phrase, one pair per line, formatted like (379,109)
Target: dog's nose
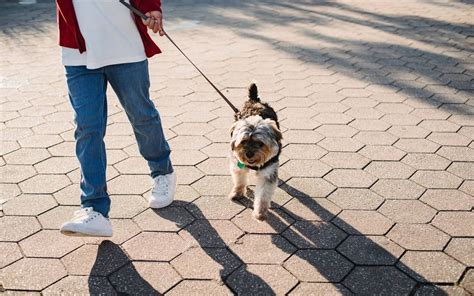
(249,154)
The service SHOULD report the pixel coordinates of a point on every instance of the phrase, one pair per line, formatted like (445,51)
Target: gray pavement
(376,103)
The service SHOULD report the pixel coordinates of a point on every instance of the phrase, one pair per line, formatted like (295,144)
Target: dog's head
(255,140)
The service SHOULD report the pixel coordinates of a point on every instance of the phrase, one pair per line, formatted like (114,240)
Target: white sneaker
(163,191)
(87,222)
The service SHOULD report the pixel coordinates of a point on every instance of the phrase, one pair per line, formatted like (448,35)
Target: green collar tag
(240,165)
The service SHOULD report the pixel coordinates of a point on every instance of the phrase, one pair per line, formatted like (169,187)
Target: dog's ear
(276,131)
(231,130)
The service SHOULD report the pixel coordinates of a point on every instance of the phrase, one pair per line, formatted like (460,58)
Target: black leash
(144,17)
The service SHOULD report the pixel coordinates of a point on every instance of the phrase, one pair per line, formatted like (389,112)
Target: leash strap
(143,16)
(205,77)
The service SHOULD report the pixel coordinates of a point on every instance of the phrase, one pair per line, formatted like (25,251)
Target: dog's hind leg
(239,177)
(265,187)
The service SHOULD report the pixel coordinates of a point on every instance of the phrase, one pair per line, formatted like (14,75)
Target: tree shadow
(114,274)
(422,58)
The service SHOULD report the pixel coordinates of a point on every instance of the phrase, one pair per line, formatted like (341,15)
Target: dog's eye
(259,144)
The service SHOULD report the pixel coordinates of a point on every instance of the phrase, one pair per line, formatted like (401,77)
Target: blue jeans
(88,98)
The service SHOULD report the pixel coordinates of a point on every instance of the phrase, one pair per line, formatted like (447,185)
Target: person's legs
(131,83)
(87,95)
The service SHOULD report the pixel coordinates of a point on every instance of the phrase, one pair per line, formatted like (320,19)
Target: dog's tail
(253,93)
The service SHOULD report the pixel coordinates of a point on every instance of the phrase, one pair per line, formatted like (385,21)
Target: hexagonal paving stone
(344,160)
(331,130)
(397,189)
(311,209)
(303,151)
(375,138)
(197,288)
(185,194)
(10,253)
(57,165)
(44,184)
(214,185)
(16,173)
(408,132)
(436,179)
(431,267)
(39,272)
(211,233)
(468,281)
(370,280)
(356,199)
(188,157)
(187,174)
(318,265)
(39,244)
(370,250)
(208,263)
(63,149)
(308,187)
(133,165)
(27,156)
(40,141)
(217,150)
(401,119)
(464,170)
(416,145)
(407,211)
(95,260)
(261,279)
(350,178)
(144,278)
(29,205)
(69,195)
(363,222)
(369,125)
(130,184)
(192,129)
(467,186)
(277,221)
(166,219)
(340,144)
(144,246)
(214,207)
(455,223)
(189,142)
(461,249)
(262,248)
(15,228)
(418,237)
(53,219)
(80,285)
(215,166)
(299,123)
(127,206)
(440,290)
(449,139)
(448,200)
(320,289)
(8,191)
(424,161)
(302,137)
(306,168)
(457,153)
(382,153)
(314,235)
(389,170)
(124,229)
(439,126)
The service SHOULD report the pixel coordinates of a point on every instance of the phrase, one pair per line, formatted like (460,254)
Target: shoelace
(82,213)
(161,185)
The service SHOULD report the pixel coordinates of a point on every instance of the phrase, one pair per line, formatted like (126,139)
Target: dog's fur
(256,140)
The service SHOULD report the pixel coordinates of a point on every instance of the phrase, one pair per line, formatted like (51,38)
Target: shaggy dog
(256,145)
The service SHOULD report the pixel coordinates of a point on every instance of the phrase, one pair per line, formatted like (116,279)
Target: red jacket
(70,35)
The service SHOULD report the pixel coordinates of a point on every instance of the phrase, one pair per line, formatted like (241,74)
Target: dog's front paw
(259,215)
(236,195)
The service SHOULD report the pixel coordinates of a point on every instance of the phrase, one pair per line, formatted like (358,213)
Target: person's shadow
(114,274)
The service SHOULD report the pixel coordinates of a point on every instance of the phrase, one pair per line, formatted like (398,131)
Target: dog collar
(271,161)
(240,165)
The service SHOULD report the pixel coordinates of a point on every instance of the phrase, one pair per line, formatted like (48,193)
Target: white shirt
(110,34)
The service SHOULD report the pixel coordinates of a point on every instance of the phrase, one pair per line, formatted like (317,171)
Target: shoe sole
(160,206)
(72,233)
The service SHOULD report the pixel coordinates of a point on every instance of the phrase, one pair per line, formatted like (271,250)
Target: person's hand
(155,22)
